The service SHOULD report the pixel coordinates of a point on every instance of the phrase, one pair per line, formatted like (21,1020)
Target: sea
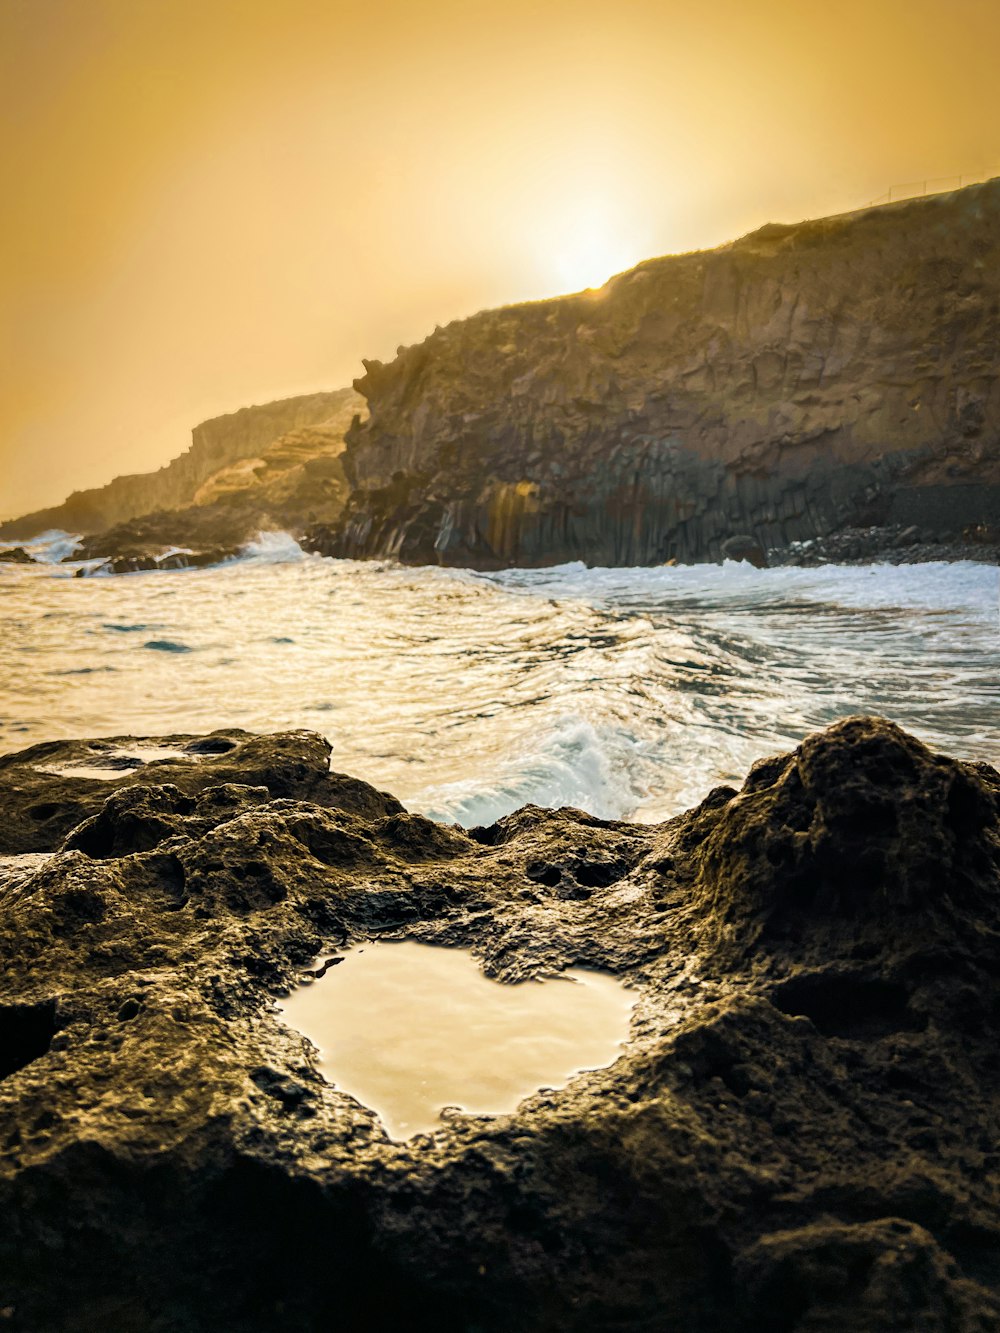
(628,693)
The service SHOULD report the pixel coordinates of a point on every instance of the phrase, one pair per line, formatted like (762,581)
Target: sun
(587,253)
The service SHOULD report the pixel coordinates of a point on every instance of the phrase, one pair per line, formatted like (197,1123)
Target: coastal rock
(133,551)
(275,465)
(745,548)
(17,555)
(802,380)
(50,788)
(892,544)
(296,480)
(800,1134)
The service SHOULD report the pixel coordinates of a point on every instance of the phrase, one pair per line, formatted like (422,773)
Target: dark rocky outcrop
(124,551)
(808,378)
(17,555)
(892,544)
(38,807)
(277,465)
(801,1134)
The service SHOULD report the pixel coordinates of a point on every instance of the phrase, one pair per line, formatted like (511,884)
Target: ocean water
(625,692)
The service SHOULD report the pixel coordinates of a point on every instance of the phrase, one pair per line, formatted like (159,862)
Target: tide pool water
(625,692)
(410,1029)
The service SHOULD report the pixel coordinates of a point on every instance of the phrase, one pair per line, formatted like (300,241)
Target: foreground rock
(801,1135)
(841,373)
(39,806)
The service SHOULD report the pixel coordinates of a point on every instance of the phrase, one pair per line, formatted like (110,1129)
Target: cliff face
(273,446)
(804,378)
(298,479)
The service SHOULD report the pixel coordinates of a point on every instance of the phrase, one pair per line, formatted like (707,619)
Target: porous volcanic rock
(38,807)
(801,1134)
(807,378)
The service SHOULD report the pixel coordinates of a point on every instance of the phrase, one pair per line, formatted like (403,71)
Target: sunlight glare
(589,252)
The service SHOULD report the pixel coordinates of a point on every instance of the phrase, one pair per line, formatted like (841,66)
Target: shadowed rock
(862,831)
(804,380)
(800,1134)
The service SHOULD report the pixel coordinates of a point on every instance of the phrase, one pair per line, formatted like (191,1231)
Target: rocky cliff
(280,454)
(800,1135)
(801,380)
(296,480)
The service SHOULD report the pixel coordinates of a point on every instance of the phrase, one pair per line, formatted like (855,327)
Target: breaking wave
(48,548)
(272,548)
(572,763)
(627,692)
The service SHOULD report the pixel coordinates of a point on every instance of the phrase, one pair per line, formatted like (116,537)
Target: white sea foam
(18,869)
(48,548)
(624,692)
(272,548)
(932,585)
(573,763)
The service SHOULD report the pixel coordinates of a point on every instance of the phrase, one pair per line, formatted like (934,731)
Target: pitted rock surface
(801,1134)
(38,808)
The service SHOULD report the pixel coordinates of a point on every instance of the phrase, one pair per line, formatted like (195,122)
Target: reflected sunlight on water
(409,1029)
(620,691)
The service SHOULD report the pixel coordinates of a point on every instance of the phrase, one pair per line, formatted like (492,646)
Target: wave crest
(272,548)
(574,763)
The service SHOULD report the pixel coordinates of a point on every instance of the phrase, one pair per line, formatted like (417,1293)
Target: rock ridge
(799,1136)
(238,466)
(838,373)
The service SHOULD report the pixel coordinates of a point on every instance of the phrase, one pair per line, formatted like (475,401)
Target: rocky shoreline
(142,545)
(821,391)
(896,545)
(801,1134)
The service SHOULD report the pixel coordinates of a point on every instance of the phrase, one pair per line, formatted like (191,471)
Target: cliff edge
(244,462)
(802,380)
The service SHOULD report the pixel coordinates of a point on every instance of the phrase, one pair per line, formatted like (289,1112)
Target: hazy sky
(210,203)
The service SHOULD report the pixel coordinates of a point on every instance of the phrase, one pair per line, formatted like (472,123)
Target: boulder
(747,548)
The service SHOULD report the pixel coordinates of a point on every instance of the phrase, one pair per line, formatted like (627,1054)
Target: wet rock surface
(128,549)
(894,545)
(833,375)
(801,1134)
(38,807)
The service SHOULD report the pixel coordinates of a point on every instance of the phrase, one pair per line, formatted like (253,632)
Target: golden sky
(211,203)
